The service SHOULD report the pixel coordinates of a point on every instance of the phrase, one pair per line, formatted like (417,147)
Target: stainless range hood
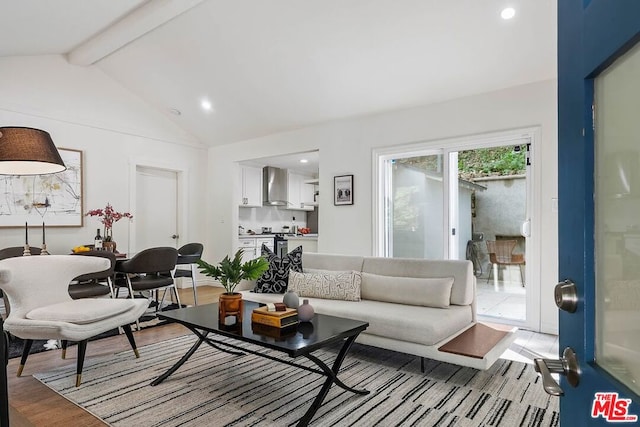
(274,181)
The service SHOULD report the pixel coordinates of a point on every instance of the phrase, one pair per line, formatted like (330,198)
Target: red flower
(108,216)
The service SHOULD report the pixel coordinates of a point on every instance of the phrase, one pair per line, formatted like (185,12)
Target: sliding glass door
(458,201)
(414,224)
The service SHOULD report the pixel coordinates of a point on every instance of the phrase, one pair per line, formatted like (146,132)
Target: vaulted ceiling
(267,66)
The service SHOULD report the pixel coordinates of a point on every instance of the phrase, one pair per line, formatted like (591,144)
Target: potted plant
(230,272)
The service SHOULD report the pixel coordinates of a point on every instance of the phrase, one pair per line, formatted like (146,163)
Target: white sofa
(414,322)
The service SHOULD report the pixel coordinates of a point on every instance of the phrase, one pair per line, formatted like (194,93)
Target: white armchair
(41,308)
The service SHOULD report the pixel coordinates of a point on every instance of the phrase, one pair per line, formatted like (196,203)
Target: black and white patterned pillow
(276,279)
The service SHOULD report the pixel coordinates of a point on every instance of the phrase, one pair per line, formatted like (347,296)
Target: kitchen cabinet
(309,244)
(252,246)
(250,187)
(300,194)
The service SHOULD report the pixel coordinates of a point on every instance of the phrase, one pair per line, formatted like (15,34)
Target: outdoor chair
(41,308)
(501,254)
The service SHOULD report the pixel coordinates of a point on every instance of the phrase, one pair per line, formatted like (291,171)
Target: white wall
(84,109)
(346,146)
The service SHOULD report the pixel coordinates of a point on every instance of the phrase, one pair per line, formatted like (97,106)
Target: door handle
(567,365)
(525,228)
(175,236)
(566,296)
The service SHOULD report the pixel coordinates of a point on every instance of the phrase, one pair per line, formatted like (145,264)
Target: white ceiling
(271,66)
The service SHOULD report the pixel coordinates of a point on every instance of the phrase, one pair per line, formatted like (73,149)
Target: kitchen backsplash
(256,218)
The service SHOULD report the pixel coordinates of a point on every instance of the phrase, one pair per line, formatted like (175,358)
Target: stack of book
(277,319)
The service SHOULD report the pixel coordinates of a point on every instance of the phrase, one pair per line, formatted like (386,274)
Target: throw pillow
(339,285)
(428,292)
(276,279)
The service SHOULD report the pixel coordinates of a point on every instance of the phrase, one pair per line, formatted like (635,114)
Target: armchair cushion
(82,311)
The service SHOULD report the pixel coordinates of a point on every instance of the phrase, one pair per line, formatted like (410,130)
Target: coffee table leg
(332,377)
(180,362)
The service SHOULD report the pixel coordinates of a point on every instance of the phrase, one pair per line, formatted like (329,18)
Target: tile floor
(504,298)
(530,345)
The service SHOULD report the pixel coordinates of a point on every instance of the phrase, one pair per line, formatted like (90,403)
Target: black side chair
(94,285)
(187,256)
(148,270)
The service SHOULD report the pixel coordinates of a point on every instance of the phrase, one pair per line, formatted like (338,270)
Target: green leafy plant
(231,271)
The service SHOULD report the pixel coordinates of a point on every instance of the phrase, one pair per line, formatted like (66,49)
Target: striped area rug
(218,389)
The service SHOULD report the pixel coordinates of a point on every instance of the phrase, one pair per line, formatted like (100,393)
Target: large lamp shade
(28,151)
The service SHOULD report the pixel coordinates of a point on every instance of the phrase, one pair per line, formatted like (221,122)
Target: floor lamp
(23,151)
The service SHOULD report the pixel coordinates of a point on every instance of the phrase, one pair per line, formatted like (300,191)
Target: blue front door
(599,206)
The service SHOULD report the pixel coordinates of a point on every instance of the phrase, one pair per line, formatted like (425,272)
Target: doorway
(446,199)
(156,207)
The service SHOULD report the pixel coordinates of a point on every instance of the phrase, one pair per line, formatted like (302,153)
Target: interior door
(599,210)
(156,208)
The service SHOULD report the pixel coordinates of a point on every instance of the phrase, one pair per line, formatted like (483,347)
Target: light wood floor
(33,404)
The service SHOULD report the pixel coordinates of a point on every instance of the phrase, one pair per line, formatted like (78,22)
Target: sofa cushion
(276,279)
(339,285)
(427,292)
(411,323)
(462,291)
(82,311)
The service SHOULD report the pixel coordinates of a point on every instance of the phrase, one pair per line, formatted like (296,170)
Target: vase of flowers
(107,217)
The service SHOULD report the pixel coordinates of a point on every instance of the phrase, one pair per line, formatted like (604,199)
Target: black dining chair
(148,270)
(188,255)
(97,284)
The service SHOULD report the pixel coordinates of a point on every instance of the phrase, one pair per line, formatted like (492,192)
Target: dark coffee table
(297,341)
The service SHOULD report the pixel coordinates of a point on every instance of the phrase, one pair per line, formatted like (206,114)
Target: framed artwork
(343,190)
(54,199)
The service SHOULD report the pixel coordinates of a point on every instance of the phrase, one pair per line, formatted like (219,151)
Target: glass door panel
(414,208)
(617,220)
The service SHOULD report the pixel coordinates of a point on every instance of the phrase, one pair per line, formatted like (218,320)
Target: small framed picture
(343,190)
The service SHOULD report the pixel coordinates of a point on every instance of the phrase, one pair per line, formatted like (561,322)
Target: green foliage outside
(499,161)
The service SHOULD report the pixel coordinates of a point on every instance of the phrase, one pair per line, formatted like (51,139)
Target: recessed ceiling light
(175,111)
(304,161)
(206,105)
(508,13)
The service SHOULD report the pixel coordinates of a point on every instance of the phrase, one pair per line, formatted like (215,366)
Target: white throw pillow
(339,285)
(428,292)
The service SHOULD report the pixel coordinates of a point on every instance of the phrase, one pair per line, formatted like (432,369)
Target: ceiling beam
(142,20)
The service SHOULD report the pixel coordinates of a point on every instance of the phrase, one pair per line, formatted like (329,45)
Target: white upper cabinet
(300,194)
(251,187)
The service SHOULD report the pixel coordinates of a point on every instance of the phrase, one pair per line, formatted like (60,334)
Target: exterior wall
(500,211)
